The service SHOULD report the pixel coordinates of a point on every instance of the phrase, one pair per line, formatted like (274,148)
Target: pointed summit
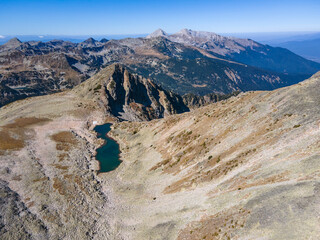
(14,40)
(158,33)
(90,42)
(13,43)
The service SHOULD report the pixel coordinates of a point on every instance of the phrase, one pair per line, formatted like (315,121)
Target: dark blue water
(108,153)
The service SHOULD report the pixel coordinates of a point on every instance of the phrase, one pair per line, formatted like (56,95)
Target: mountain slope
(309,49)
(205,75)
(247,51)
(244,168)
(7,94)
(247,167)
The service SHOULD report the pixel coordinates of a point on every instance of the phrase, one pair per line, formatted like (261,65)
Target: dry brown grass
(61,167)
(62,156)
(30,204)
(26,122)
(150,52)
(13,135)
(40,179)
(50,218)
(160,164)
(64,141)
(8,142)
(241,183)
(223,225)
(195,143)
(59,186)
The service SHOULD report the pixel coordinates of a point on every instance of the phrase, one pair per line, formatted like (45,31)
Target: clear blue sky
(94,17)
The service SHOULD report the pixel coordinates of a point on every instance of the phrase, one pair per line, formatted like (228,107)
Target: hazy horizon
(87,17)
(263,37)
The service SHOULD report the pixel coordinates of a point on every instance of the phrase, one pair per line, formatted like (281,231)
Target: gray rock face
(12,43)
(212,41)
(195,101)
(129,96)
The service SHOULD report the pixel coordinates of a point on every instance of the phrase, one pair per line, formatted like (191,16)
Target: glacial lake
(109,153)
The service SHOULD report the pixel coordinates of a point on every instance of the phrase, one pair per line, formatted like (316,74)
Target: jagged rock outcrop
(7,94)
(129,96)
(195,101)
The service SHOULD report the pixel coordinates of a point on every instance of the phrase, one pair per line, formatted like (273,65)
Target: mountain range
(186,62)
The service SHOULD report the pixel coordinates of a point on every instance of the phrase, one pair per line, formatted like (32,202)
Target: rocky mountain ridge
(36,68)
(245,51)
(128,96)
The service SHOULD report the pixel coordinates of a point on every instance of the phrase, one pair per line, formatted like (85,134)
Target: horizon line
(134,34)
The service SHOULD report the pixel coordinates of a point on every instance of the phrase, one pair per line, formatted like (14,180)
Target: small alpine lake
(109,153)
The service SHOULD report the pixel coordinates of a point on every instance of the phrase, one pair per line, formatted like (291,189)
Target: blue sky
(89,17)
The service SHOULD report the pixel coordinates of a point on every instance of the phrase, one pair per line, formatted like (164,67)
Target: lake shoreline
(101,152)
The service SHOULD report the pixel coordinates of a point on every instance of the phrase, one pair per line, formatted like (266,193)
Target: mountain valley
(240,168)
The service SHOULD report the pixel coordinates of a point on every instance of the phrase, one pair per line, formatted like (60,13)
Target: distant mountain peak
(185,31)
(13,42)
(158,33)
(90,40)
(199,34)
(104,40)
